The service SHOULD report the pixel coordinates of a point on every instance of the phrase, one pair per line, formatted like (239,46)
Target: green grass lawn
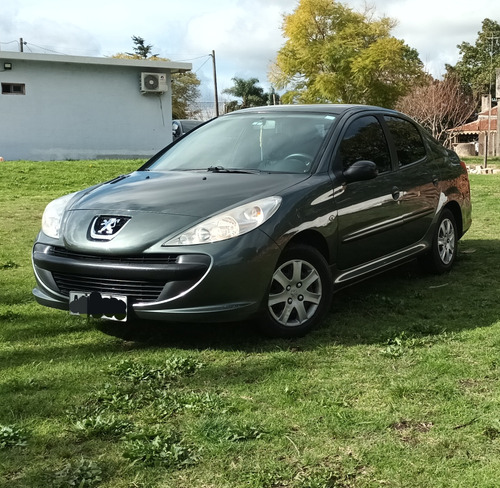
(399,388)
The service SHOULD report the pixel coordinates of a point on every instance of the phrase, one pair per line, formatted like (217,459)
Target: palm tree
(250,94)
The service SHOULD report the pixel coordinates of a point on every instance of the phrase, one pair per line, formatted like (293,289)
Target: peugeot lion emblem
(105,227)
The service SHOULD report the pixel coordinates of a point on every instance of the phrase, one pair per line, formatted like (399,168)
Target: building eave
(146,64)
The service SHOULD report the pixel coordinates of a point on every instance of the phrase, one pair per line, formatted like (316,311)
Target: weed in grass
(168,402)
(12,436)
(81,474)
(405,342)
(113,398)
(409,430)
(396,347)
(9,265)
(171,369)
(10,315)
(159,448)
(243,432)
(102,427)
(492,432)
(221,429)
(324,476)
(147,389)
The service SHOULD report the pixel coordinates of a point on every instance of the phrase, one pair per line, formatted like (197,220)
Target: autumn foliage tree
(439,105)
(334,54)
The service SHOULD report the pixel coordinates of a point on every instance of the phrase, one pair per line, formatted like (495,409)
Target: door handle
(395,193)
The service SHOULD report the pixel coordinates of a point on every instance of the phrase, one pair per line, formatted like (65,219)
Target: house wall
(81,111)
(492,144)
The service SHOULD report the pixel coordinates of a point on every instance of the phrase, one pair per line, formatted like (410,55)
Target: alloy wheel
(295,294)
(446,241)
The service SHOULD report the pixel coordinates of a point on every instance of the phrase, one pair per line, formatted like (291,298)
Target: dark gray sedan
(262,213)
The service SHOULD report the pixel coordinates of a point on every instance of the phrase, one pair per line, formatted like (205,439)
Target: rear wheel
(444,245)
(300,293)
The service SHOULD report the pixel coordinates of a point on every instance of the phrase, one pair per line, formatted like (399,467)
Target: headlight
(52,216)
(226,225)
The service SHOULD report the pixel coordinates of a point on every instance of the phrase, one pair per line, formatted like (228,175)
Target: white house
(56,107)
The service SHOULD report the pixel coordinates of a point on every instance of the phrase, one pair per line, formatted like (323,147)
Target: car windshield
(286,143)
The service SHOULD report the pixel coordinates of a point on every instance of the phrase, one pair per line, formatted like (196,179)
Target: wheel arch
(454,208)
(313,239)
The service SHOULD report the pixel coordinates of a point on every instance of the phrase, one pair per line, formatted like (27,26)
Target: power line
(204,63)
(44,48)
(192,59)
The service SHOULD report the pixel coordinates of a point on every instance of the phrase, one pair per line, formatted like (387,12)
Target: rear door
(416,178)
(370,217)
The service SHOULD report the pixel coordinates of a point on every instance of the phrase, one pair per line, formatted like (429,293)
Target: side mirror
(360,171)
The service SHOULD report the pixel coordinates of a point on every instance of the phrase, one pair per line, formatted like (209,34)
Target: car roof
(330,108)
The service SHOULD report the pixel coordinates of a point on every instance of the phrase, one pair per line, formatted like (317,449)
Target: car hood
(160,205)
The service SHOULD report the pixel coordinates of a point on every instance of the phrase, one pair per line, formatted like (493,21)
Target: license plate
(98,305)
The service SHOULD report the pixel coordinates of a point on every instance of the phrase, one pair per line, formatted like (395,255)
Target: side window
(409,145)
(364,140)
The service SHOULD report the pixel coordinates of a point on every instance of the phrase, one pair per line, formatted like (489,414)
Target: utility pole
(488,134)
(215,85)
(21,45)
(497,94)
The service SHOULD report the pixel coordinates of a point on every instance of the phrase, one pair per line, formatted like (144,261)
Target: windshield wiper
(221,169)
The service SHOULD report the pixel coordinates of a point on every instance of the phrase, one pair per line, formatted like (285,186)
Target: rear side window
(409,145)
(364,140)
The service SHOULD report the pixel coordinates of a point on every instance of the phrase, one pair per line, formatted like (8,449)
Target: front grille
(143,291)
(140,259)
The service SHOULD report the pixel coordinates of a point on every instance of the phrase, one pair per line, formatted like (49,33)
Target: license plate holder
(98,305)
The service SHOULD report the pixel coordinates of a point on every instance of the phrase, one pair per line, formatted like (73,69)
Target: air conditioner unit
(154,82)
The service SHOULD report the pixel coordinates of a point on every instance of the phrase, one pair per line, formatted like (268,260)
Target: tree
(439,106)
(477,63)
(250,94)
(185,92)
(141,50)
(334,54)
(185,89)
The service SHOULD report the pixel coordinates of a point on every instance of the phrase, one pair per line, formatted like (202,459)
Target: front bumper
(227,281)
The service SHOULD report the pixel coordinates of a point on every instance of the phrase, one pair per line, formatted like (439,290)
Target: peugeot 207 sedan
(262,213)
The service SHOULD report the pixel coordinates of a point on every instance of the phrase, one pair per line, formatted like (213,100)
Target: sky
(245,34)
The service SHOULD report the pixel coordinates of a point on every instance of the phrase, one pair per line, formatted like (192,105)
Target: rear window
(409,144)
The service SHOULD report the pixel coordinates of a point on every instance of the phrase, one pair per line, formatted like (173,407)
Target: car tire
(299,295)
(443,253)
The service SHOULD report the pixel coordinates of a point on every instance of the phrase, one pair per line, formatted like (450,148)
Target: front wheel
(300,293)
(444,245)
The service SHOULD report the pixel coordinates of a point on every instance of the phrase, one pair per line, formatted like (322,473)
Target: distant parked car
(261,213)
(183,126)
